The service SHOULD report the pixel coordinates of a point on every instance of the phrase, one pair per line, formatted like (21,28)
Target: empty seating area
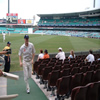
(70,78)
(70,33)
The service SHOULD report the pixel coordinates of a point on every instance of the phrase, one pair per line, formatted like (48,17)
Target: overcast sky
(26,9)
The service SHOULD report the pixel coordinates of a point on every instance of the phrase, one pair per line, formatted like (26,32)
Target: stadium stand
(79,24)
(70,22)
(70,33)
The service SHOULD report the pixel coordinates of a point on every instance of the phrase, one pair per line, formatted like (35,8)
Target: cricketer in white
(27,50)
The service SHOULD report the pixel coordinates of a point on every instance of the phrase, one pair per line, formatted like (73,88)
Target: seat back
(96,76)
(97,66)
(51,64)
(46,61)
(45,72)
(52,77)
(74,65)
(78,61)
(93,91)
(63,85)
(35,65)
(84,69)
(53,60)
(59,62)
(72,61)
(56,67)
(94,62)
(65,66)
(66,62)
(79,93)
(65,72)
(87,77)
(76,80)
(81,64)
(88,63)
(75,70)
(92,67)
(40,67)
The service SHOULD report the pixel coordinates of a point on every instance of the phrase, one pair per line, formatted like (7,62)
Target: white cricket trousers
(27,69)
(3,38)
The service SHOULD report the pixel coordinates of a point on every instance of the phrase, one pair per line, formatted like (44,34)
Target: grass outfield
(49,42)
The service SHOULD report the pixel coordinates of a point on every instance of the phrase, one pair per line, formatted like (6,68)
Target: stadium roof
(76,14)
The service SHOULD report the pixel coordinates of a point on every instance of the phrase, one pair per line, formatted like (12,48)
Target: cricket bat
(11,76)
(8,97)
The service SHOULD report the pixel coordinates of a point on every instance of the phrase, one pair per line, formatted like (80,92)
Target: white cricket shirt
(27,51)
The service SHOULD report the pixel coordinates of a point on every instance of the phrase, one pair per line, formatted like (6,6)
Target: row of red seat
(89,92)
(66,83)
(47,70)
(59,65)
(43,69)
(52,76)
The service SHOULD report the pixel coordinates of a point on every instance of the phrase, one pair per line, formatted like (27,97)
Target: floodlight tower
(93,3)
(8,6)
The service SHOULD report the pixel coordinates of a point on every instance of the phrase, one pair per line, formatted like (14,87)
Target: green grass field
(49,42)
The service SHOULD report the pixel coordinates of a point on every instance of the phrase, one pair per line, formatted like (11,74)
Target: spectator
(7,58)
(40,56)
(90,57)
(46,55)
(61,54)
(72,55)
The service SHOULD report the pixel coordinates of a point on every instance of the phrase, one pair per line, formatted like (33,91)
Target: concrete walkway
(47,93)
(3,86)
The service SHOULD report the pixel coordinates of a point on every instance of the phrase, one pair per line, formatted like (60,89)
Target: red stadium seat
(79,93)
(63,87)
(93,92)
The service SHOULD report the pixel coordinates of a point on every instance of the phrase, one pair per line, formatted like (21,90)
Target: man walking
(27,50)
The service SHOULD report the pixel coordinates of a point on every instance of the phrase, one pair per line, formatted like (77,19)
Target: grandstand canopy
(89,13)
